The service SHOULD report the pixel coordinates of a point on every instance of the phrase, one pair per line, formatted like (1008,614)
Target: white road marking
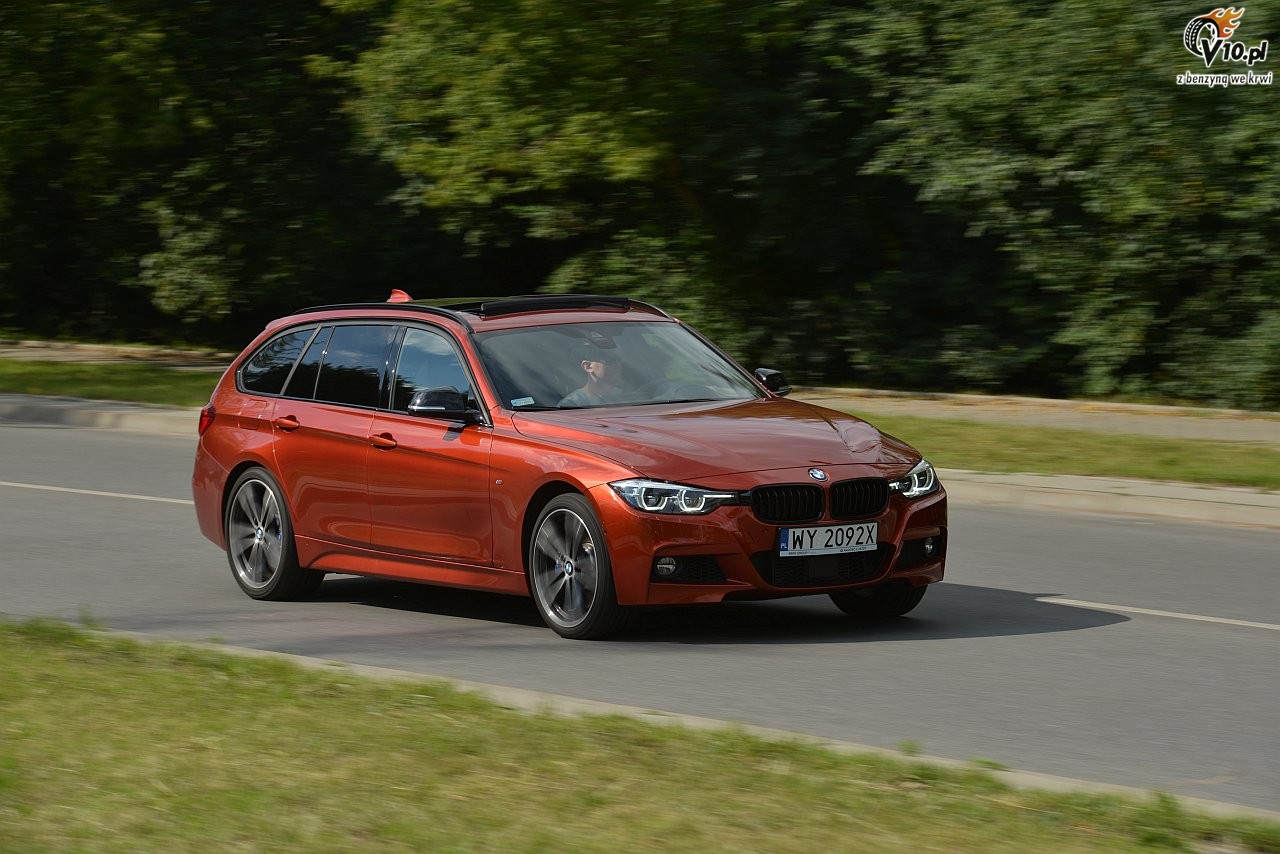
(1102,606)
(97,493)
(1074,603)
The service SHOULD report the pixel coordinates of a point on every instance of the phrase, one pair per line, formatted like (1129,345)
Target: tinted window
(427,360)
(353,365)
(266,371)
(303,382)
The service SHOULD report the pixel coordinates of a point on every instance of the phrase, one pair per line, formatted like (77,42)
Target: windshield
(618,363)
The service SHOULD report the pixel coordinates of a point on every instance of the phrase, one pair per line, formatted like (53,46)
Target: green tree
(709,156)
(1147,212)
(945,196)
(165,161)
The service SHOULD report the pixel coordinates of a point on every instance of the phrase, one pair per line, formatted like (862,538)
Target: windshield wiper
(689,400)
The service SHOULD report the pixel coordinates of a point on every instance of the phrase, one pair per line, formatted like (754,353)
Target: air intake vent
(821,570)
(792,503)
(855,499)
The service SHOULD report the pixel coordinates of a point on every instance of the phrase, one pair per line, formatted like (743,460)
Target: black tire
(260,547)
(569,571)
(1191,35)
(879,603)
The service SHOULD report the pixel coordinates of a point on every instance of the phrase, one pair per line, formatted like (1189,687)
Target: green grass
(110,745)
(947,443)
(144,383)
(1044,450)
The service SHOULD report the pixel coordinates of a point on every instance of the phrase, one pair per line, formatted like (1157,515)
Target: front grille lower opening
(821,570)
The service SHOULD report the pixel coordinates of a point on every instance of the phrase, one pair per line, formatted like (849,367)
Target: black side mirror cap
(774,381)
(444,402)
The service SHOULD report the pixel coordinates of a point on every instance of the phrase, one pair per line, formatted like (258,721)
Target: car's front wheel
(878,603)
(570,575)
(260,546)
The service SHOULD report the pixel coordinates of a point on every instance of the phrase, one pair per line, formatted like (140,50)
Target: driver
(604,374)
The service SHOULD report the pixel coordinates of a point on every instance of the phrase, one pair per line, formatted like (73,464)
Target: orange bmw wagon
(592,452)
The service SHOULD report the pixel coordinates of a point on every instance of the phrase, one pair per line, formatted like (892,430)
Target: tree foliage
(1147,212)
(178,170)
(944,195)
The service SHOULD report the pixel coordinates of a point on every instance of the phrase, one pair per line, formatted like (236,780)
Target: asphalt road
(989,666)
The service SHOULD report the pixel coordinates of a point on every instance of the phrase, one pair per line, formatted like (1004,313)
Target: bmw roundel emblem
(817,474)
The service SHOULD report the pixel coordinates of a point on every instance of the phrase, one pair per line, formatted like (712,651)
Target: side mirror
(774,381)
(443,402)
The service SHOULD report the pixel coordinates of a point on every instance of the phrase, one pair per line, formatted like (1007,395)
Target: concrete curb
(1218,505)
(1224,505)
(539,702)
(98,415)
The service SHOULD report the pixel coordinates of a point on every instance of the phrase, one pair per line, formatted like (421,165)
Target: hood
(685,442)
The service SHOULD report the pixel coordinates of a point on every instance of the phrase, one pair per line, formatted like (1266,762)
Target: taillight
(206,417)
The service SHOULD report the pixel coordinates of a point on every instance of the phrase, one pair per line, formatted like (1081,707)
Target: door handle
(287,423)
(385,441)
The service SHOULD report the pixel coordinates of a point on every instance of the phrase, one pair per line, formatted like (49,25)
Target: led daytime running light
(655,496)
(920,481)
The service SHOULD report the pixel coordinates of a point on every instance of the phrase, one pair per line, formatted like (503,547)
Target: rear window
(267,369)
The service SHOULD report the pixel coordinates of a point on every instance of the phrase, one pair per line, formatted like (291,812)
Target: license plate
(827,540)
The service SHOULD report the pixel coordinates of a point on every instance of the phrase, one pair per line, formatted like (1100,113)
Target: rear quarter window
(303,382)
(269,367)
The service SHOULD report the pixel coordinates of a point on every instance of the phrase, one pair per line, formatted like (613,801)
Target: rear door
(429,477)
(322,427)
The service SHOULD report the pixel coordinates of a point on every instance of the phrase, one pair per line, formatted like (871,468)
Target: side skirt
(350,560)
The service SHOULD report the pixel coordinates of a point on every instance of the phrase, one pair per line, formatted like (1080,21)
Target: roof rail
(454,309)
(400,306)
(497,306)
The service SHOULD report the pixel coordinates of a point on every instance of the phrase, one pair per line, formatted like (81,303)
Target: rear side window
(353,365)
(303,382)
(267,370)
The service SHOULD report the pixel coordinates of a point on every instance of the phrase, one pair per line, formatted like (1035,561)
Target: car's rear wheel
(879,603)
(570,575)
(260,546)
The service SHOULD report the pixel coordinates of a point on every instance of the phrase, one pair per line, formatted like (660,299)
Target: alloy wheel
(255,534)
(565,568)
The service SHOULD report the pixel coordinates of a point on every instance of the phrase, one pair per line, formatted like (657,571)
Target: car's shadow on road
(429,599)
(948,611)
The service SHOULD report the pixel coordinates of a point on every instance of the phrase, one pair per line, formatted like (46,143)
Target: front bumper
(731,554)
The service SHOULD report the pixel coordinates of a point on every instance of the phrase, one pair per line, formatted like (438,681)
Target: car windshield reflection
(592,365)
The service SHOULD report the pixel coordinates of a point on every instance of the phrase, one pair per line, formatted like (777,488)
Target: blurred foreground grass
(108,744)
(140,382)
(947,443)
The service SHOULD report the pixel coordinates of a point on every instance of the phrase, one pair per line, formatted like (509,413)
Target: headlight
(655,496)
(919,481)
